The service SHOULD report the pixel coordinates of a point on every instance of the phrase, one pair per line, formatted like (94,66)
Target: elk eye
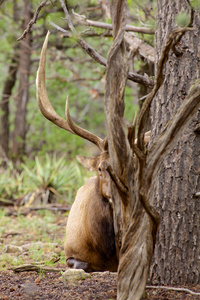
(99,169)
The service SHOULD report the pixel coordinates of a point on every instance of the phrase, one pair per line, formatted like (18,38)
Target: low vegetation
(47,179)
(34,238)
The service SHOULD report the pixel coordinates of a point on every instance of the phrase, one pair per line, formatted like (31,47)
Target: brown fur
(89,232)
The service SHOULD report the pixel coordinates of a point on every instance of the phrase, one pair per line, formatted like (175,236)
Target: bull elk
(90,237)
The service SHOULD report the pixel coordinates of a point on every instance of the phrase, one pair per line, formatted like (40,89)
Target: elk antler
(48,111)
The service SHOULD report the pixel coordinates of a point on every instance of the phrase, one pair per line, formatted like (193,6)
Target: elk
(90,237)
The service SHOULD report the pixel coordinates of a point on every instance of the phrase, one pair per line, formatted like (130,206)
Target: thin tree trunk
(19,134)
(176,256)
(4,105)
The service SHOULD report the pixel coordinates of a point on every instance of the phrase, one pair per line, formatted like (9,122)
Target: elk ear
(90,163)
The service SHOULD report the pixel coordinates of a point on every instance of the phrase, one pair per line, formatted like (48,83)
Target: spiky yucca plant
(51,176)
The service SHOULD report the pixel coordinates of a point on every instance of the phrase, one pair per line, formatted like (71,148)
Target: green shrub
(52,176)
(11,183)
(47,179)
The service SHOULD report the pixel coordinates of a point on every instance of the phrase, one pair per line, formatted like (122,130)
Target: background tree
(18,147)
(82,81)
(6,93)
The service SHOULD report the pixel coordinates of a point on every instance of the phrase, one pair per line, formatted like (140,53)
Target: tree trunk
(176,256)
(18,148)
(134,229)
(4,106)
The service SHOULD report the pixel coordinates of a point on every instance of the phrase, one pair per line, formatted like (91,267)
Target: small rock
(37,280)
(74,275)
(13,249)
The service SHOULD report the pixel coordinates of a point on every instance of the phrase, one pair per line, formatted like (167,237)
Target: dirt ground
(30,285)
(35,227)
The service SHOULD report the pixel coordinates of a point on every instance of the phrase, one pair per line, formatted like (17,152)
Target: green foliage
(70,71)
(6,259)
(130,106)
(195,4)
(182,19)
(54,175)
(44,176)
(41,232)
(11,183)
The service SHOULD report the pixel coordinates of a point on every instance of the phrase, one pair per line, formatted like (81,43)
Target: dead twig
(33,21)
(38,268)
(25,211)
(170,288)
(84,21)
(144,80)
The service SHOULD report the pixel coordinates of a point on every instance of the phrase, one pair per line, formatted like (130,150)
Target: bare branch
(84,21)
(67,16)
(117,180)
(144,80)
(33,21)
(66,33)
(39,268)
(171,288)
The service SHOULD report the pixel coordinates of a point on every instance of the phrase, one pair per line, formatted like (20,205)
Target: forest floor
(36,238)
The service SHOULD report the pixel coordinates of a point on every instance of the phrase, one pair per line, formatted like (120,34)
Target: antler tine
(42,97)
(82,132)
(49,112)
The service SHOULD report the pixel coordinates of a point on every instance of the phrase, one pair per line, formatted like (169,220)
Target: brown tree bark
(18,147)
(134,229)
(4,105)
(176,256)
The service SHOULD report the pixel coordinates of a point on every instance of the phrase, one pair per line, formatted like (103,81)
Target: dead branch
(158,82)
(36,268)
(66,33)
(144,80)
(33,21)
(84,21)
(117,180)
(170,288)
(25,211)
(135,44)
(50,208)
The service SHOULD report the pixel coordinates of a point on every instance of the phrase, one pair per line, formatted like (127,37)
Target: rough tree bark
(176,258)
(7,91)
(18,147)
(4,105)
